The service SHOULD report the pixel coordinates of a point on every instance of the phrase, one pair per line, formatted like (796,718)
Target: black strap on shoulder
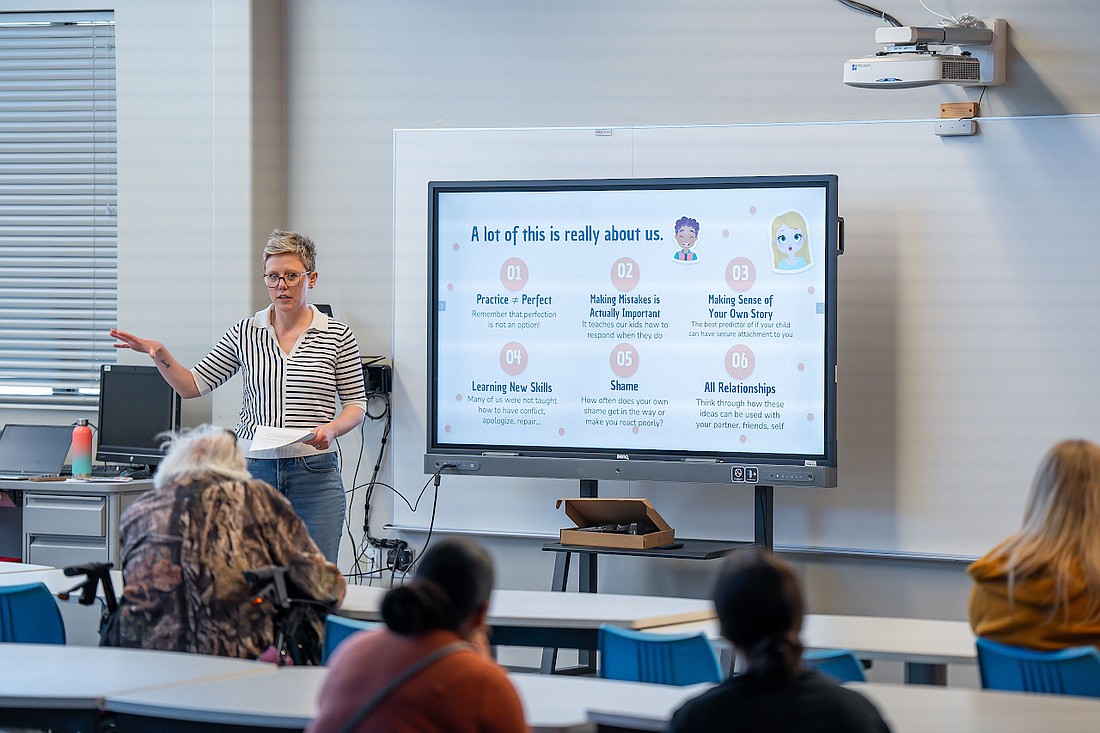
(407,674)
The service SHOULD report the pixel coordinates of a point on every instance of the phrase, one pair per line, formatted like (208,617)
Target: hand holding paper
(268,438)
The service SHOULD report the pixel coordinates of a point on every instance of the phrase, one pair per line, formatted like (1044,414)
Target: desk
(20,567)
(71,522)
(687,550)
(63,687)
(926,646)
(566,701)
(287,700)
(284,698)
(214,693)
(55,579)
(551,619)
(81,622)
(907,709)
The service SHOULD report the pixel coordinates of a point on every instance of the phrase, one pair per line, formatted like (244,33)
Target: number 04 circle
(513,358)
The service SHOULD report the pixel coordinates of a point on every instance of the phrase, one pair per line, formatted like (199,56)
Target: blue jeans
(315,490)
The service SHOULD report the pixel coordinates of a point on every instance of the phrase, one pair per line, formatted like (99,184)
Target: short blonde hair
(205,452)
(292,243)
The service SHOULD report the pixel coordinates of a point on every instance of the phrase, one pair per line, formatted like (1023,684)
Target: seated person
(460,692)
(759,608)
(186,544)
(1040,587)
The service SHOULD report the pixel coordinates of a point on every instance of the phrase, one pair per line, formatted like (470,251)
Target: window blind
(58,201)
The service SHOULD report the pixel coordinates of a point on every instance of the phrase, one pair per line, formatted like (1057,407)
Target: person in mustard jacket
(1040,588)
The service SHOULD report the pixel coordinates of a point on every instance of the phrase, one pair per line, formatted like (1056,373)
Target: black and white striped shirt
(295,390)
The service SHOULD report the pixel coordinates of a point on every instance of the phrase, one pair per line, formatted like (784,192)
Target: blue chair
(839,663)
(29,614)
(1074,671)
(339,628)
(669,659)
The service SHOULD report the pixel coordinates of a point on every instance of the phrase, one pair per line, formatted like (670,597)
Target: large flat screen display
(661,329)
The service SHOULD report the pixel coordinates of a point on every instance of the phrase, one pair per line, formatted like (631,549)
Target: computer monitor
(136,405)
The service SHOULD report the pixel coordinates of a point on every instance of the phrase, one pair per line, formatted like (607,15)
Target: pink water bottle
(82,449)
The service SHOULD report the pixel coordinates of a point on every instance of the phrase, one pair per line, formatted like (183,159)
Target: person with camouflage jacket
(186,544)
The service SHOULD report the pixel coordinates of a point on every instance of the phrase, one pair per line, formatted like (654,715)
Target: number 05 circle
(624,360)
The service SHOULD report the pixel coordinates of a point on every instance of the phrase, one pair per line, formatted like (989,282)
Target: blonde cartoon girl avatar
(790,243)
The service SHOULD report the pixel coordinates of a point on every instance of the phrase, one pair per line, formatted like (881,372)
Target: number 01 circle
(513,273)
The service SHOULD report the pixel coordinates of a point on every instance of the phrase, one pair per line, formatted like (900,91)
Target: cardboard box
(653,530)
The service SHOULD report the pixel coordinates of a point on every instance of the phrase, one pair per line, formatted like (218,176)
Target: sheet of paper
(268,438)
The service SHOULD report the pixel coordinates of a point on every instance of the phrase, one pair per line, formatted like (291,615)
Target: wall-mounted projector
(917,57)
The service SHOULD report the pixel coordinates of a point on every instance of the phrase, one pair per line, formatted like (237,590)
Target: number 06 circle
(740,361)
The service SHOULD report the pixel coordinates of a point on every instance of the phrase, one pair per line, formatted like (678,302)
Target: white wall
(356,71)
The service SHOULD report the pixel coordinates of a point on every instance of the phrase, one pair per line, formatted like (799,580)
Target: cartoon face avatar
(790,243)
(687,232)
(686,236)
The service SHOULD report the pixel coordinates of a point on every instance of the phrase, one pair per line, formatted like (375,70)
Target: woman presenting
(295,362)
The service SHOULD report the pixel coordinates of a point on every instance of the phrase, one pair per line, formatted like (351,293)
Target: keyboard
(101,471)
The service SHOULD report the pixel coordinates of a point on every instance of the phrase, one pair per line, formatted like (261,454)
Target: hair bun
(416,607)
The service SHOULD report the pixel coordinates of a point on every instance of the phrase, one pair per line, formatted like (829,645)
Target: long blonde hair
(1060,534)
(791,220)
(207,451)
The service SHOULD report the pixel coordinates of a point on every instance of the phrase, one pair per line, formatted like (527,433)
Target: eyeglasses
(291,279)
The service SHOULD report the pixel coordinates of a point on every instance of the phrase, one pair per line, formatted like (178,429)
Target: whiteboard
(966,342)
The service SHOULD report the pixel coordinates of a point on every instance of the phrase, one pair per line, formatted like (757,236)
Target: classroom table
(54,578)
(286,700)
(552,620)
(926,646)
(20,567)
(81,622)
(906,708)
(71,688)
(63,686)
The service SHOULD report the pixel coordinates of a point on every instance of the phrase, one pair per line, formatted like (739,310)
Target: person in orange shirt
(442,613)
(1040,587)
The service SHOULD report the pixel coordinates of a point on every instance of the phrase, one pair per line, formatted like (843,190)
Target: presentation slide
(685,318)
